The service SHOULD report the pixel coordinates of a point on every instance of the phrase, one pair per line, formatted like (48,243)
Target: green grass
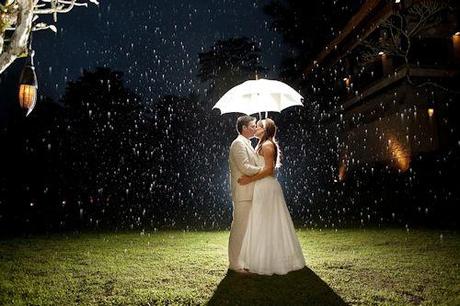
(357,267)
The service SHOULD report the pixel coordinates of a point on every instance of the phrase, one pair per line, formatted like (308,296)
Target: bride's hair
(269,135)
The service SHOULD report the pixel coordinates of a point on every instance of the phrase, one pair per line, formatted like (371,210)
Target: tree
(401,30)
(103,119)
(32,168)
(19,17)
(228,63)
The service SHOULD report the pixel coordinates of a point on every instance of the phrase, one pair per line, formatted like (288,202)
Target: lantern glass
(27,97)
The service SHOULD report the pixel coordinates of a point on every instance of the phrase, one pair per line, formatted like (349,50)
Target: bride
(270,245)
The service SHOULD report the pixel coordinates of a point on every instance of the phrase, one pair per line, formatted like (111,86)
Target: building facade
(389,83)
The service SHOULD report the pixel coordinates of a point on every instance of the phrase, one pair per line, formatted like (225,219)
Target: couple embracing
(262,236)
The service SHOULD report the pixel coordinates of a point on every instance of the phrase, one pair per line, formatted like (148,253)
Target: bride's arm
(268,151)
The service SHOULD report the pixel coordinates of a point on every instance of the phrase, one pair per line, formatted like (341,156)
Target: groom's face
(251,129)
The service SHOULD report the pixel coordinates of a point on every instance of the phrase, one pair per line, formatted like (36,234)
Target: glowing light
(28,86)
(456,38)
(381,53)
(342,172)
(346,81)
(399,154)
(456,44)
(27,97)
(431,112)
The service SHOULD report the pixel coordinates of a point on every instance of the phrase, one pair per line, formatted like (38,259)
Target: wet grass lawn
(353,266)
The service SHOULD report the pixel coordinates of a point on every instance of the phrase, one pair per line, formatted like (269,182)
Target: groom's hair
(243,121)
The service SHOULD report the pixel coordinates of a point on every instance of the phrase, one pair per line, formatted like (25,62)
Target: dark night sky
(155,43)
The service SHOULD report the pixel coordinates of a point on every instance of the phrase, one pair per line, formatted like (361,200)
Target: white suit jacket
(242,161)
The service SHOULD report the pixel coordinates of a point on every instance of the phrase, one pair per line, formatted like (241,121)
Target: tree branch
(420,17)
(21,22)
(18,44)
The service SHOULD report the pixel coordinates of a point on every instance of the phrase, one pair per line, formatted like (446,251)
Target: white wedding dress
(270,245)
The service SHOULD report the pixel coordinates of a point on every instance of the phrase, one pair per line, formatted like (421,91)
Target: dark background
(123,135)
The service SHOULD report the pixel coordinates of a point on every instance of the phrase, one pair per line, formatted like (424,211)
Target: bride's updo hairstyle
(269,135)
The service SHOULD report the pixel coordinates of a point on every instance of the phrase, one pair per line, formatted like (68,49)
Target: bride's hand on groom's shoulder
(244,180)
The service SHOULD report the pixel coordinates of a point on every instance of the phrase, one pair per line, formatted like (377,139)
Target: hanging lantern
(28,86)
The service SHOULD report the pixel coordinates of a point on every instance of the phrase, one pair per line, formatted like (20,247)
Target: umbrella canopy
(256,96)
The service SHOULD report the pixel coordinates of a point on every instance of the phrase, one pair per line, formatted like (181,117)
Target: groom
(242,161)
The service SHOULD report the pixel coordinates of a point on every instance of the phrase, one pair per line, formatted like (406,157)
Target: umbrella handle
(260,115)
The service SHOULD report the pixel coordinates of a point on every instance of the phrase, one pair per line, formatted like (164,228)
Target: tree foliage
(228,63)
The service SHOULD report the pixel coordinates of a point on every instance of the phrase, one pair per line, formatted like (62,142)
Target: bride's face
(259,130)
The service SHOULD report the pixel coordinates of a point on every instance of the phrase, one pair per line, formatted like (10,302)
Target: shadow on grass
(302,287)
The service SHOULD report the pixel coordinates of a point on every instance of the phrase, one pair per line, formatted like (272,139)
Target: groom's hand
(244,180)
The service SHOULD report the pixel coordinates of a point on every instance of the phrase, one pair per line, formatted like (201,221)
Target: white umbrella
(256,96)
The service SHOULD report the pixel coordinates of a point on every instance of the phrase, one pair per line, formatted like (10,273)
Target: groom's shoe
(242,271)
(234,269)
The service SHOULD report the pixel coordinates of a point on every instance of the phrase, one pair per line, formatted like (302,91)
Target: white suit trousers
(238,230)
